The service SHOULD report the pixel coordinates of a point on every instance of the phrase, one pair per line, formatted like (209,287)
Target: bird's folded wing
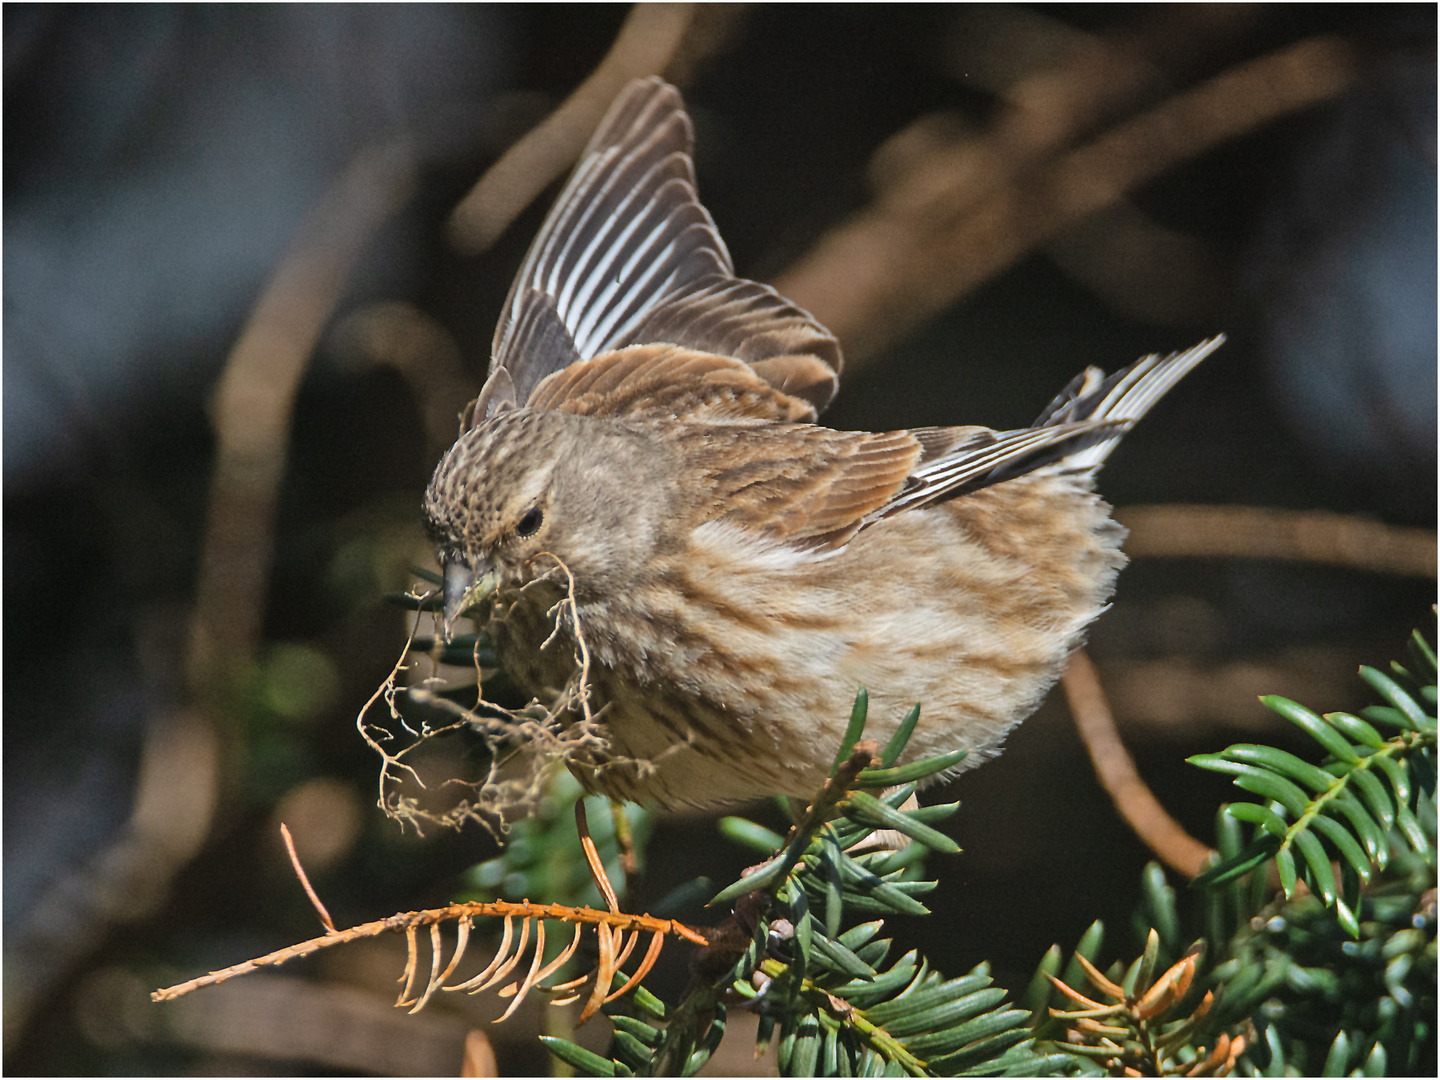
(959,460)
(816,488)
(811,487)
(628,256)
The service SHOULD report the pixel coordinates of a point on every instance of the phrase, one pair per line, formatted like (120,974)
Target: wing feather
(816,488)
(666,382)
(1125,396)
(809,486)
(629,256)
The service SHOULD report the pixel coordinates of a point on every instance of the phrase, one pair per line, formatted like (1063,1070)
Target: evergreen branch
(826,998)
(1353,961)
(1348,812)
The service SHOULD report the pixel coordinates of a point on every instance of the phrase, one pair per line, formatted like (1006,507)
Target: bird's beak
(464,588)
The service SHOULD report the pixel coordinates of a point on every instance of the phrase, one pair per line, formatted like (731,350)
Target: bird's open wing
(628,256)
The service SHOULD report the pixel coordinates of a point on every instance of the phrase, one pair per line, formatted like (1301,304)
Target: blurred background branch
(956,215)
(649,37)
(1252,532)
(656,39)
(238,333)
(254,400)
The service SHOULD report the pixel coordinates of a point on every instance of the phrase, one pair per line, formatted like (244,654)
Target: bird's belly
(733,677)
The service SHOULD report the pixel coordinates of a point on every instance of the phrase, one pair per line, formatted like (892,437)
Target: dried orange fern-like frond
(617,932)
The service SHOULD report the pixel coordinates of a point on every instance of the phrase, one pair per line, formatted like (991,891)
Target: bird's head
(527,484)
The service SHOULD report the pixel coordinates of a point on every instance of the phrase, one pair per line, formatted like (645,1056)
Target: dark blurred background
(164,164)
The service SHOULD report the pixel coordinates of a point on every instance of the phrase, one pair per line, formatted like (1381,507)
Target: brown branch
(592,858)
(325,919)
(892,266)
(398,335)
(1264,533)
(176,792)
(836,789)
(1058,85)
(1134,801)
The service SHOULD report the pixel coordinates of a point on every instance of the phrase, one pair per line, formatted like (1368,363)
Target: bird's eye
(530,523)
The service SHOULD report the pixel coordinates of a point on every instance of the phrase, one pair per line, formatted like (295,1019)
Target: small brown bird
(642,492)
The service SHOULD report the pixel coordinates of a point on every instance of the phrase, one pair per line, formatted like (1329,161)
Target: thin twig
(542,730)
(582,650)
(836,788)
(592,857)
(1135,802)
(325,919)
